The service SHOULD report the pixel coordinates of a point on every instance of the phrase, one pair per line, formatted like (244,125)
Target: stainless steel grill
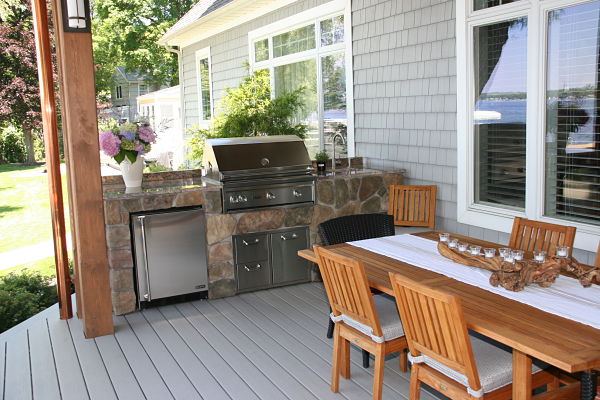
(260,172)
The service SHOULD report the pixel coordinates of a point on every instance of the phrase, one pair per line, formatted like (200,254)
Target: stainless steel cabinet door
(286,265)
(171,256)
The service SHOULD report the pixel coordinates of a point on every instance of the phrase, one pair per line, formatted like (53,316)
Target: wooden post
(78,98)
(48,107)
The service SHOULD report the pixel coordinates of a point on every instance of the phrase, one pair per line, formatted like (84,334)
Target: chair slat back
(413,205)
(531,235)
(347,288)
(435,326)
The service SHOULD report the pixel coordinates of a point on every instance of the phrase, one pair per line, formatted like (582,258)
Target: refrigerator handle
(148,295)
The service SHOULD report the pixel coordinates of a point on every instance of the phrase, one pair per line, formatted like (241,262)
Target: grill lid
(259,155)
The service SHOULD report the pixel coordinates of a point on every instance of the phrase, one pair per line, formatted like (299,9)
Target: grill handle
(142,218)
(294,236)
(252,269)
(252,243)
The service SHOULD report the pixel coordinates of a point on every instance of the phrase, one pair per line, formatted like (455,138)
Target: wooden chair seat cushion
(494,365)
(388,319)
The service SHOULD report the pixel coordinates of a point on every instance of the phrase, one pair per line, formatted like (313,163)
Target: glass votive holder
(489,252)
(518,254)
(562,251)
(509,257)
(453,243)
(503,251)
(539,256)
(475,250)
(444,237)
(462,246)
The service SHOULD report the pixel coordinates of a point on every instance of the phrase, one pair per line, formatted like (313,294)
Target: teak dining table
(529,331)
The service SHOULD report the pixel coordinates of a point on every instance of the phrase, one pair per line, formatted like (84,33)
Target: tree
(19,90)
(125,33)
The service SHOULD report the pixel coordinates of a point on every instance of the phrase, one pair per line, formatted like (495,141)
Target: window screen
(572,167)
(500,113)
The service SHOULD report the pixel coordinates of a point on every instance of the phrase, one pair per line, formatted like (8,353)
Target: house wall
(405,99)
(229,53)
(404,92)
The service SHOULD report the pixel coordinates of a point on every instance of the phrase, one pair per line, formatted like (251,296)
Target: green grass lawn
(25,207)
(45,266)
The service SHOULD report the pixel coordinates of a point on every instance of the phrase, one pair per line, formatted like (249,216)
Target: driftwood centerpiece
(516,276)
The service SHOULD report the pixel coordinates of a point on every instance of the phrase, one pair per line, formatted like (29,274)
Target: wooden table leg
(521,376)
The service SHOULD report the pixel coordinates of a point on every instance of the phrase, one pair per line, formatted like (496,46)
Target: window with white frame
(312,50)
(528,77)
(203,72)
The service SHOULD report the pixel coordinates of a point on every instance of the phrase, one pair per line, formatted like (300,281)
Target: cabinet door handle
(252,269)
(148,295)
(294,236)
(255,241)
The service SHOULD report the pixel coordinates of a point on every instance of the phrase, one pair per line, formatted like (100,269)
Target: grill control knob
(242,198)
(233,199)
(270,196)
(296,193)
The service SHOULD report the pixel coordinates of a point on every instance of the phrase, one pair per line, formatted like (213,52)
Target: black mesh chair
(355,227)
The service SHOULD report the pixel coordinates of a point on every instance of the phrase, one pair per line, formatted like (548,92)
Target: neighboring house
(161,109)
(494,103)
(126,88)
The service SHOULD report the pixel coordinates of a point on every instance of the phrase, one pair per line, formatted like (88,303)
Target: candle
(453,243)
(489,252)
(562,251)
(475,250)
(504,251)
(509,257)
(539,256)
(444,237)
(517,254)
(462,247)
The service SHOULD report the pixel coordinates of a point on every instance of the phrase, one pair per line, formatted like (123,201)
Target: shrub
(12,148)
(23,295)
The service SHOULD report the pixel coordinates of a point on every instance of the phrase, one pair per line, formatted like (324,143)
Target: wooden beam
(78,97)
(48,107)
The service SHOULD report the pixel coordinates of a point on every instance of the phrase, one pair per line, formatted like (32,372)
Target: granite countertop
(345,172)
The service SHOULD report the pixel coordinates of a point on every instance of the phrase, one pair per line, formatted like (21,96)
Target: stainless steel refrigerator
(170,253)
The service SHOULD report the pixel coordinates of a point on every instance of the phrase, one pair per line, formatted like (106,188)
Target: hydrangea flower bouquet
(128,140)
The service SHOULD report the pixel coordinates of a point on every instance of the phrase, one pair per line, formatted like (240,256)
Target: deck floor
(267,345)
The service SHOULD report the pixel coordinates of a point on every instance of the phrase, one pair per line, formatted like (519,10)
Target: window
(312,52)
(143,89)
(203,71)
(528,91)
(118,92)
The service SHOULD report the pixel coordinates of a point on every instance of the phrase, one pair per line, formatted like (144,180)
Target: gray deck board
(43,372)
(18,370)
(269,344)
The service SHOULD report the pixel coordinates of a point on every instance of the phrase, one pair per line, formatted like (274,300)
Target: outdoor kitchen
(262,203)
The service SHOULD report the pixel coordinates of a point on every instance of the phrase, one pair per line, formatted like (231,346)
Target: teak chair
(529,235)
(413,205)
(442,353)
(350,228)
(369,322)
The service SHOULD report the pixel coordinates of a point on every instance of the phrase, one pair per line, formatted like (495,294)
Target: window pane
(302,74)
(500,113)
(332,31)
(261,50)
(481,4)
(205,89)
(572,117)
(295,41)
(334,103)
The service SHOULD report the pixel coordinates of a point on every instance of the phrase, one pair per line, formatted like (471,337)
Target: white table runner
(565,298)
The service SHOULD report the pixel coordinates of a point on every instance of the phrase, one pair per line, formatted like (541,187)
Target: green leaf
(131,155)
(120,157)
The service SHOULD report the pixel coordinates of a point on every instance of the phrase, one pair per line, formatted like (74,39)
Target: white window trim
(501,219)
(313,15)
(201,54)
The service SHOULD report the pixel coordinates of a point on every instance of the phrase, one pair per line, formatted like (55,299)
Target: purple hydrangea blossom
(129,135)
(146,134)
(139,147)
(110,144)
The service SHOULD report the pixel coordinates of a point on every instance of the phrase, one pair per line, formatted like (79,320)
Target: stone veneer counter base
(362,191)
